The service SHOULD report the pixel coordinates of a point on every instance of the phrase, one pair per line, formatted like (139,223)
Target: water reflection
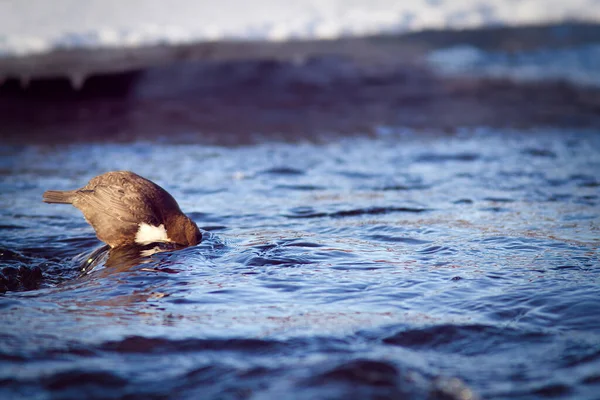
(121,259)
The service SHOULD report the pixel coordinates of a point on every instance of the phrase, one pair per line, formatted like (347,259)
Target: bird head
(184,231)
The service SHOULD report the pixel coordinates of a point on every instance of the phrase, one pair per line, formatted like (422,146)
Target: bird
(126,209)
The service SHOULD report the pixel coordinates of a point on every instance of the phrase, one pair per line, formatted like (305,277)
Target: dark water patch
(397,239)
(495,209)
(21,278)
(198,191)
(360,266)
(376,378)
(587,261)
(70,384)
(442,158)
(580,217)
(592,379)
(309,212)
(56,272)
(583,179)
(258,261)
(362,378)
(223,382)
(589,184)
(211,228)
(357,174)
(100,379)
(283,171)
(330,254)
(376,211)
(21,271)
(402,188)
(444,250)
(523,247)
(464,339)
(305,212)
(218,381)
(552,390)
(6,302)
(589,197)
(463,201)
(11,255)
(35,217)
(521,243)
(300,187)
(565,267)
(362,372)
(579,353)
(496,276)
(499,199)
(200,216)
(283,287)
(539,152)
(8,226)
(267,247)
(559,197)
(557,182)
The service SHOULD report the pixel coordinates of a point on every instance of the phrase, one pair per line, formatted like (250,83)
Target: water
(403,264)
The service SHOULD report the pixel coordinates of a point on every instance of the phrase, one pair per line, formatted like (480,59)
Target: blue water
(403,264)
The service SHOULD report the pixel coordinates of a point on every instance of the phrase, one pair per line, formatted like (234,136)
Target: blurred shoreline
(241,92)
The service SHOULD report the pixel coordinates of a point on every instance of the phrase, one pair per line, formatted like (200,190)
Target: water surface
(400,265)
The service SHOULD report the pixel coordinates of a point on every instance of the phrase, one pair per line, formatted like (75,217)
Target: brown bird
(126,209)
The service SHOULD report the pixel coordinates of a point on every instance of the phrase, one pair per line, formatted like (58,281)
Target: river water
(400,264)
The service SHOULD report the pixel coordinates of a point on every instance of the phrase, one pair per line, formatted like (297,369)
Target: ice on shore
(36,26)
(579,65)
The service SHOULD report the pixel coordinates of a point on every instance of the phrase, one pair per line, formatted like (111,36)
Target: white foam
(35,26)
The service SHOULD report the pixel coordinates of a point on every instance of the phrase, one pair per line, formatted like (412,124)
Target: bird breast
(147,234)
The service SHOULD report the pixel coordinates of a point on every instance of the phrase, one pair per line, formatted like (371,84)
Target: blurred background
(110,69)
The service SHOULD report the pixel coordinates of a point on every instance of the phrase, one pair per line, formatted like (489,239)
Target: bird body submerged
(126,209)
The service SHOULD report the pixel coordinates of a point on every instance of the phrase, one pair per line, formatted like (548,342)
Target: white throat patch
(147,234)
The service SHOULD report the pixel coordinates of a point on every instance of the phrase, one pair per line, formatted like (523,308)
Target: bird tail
(56,196)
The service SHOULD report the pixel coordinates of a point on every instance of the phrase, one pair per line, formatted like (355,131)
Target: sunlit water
(405,264)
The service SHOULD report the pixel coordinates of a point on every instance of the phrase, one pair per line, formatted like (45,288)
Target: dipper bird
(126,209)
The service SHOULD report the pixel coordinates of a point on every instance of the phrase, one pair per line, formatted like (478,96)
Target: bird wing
(116,202)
